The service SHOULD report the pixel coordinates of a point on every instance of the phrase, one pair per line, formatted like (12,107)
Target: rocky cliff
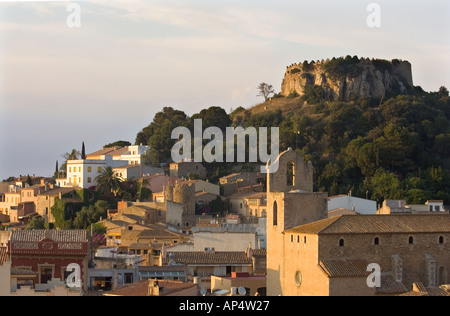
(350,78)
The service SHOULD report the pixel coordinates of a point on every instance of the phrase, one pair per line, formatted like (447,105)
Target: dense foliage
(392,149)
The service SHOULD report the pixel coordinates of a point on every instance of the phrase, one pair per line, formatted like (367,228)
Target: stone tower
(291,202)
(181,193)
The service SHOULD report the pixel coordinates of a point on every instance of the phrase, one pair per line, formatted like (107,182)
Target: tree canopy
(391,148)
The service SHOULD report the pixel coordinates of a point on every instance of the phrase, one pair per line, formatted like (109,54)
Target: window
(292,238)
(341,242)
(89,180)
(70,169)
(411,240)
(305,239)
(128,278)
(275,214)
(46,274)
(442,277)
(99,169)
(298,239)
(89,169)
(79,169)
(376,241)
(441,240)
(298,278)
(291,173)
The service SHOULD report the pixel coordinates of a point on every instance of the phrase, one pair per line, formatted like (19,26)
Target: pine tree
(83,152)
(56,174)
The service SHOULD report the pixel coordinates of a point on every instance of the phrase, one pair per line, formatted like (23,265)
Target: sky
(106,79)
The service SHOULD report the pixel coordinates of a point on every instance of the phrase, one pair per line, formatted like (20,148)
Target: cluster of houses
(277,236)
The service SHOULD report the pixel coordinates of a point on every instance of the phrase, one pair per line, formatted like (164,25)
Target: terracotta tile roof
(344,268)
(55,192)
(3,255)
(209,258)
(390,286)
(427,291)
(231,176)
(55,235)
(141,288)
(21,272)
(377,224)
(260,195)
(72,200)
(140,246)
(259,252)
(156,231)
(127,167)
(183,269)
(112,151)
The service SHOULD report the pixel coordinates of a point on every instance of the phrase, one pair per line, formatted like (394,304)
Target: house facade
(83,173)
(48,253)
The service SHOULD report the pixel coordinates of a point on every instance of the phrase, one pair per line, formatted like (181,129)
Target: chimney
(249,253)
(198,282)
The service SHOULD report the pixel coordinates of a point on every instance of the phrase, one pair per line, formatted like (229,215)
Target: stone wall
(293,174)
(414,257)
(370,82)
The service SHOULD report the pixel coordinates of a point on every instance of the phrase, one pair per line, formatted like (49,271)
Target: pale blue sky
(106,80)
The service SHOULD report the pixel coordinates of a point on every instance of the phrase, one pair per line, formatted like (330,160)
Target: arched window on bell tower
(290,174)
(275,214)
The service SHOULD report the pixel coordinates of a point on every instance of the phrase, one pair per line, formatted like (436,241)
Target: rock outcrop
(346,79)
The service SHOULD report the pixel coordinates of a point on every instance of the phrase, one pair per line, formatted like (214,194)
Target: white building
(347,202)
(82,173)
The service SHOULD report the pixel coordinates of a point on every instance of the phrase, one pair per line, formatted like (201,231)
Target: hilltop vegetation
(392,149)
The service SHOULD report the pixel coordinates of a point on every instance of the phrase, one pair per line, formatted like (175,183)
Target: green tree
(120,143)
(108,182)
(384,185)
(213,117)
(73,155)
(314,94)
(62,219)
(143,193)
(8,180)
(29,181)
(169,117)
(36,224)
(91,214)
(417,196)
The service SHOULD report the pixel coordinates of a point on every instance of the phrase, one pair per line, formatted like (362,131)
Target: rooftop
(128,167)
(3,255)
(231,176)
(377,224)
(141,288)
(56,192)
(112,151)
(344,268)
(209,258)
(55,235)
(390,286)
